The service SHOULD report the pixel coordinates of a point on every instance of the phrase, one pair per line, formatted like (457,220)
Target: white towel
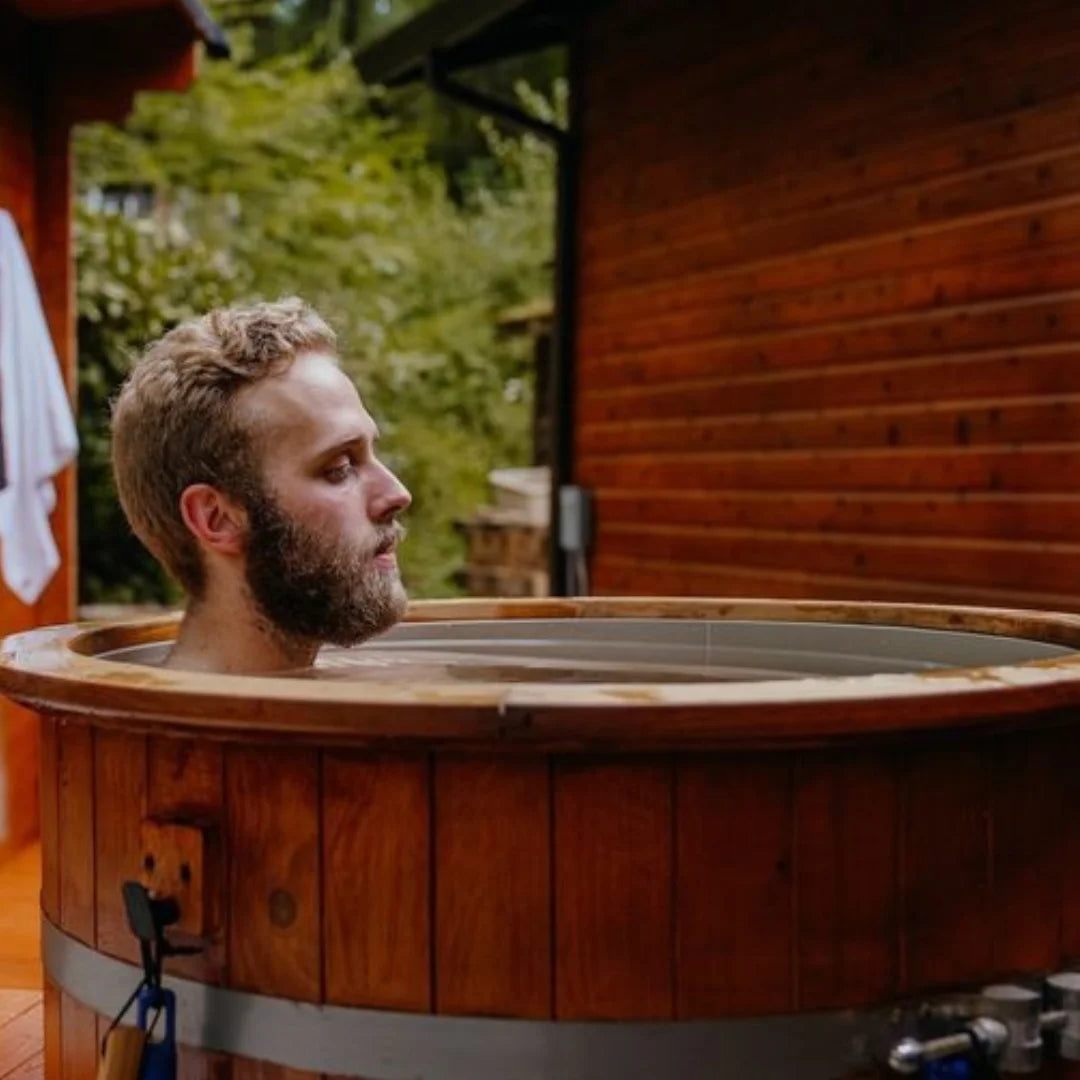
(38,430)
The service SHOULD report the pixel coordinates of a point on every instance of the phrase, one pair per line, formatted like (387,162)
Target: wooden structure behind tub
(63,62)
(818,328)
(473,880)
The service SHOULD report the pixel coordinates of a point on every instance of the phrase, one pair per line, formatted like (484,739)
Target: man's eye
(338,474)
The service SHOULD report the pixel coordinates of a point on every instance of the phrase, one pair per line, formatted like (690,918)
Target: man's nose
(391,496)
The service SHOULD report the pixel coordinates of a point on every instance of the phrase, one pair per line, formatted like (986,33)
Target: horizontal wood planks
(829,300)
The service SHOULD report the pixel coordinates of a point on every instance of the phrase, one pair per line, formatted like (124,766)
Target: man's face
(320,558)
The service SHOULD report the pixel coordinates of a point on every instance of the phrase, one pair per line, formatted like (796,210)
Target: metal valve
(1020,1010)
(1065,988)
(984,1036)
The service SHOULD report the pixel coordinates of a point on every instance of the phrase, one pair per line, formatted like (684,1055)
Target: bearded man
(245,461)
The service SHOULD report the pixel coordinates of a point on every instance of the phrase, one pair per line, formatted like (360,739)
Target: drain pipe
(566,551)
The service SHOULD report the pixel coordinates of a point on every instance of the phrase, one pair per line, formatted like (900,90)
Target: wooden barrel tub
(565,839)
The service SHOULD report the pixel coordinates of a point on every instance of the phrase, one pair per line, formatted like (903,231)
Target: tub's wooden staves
(613,897)
(376,859)
(1027,792)
(1070,846)
(185,783)
(120,806)
(733,887)
(493,882)
(846,902)
(274,897)
(78,1024)
(528,874)
(945,868)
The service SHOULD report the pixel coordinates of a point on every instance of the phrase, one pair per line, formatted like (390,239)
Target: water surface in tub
(643,650)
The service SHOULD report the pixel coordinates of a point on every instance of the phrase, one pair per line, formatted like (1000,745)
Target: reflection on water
(429,666)
(629,651)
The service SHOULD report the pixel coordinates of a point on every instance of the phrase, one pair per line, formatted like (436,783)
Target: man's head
(241,450)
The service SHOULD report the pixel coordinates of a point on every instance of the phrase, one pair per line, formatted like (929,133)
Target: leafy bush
(275,176)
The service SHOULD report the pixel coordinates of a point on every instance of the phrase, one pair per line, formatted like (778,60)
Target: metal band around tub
(383,1045)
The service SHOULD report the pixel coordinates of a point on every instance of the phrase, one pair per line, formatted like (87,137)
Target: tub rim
(59,670)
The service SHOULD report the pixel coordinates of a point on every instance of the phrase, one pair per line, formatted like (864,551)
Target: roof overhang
(194,13)
(464,33)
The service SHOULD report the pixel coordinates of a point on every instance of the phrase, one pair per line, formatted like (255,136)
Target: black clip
(148,917)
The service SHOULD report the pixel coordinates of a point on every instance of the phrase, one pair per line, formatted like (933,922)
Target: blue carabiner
(159,1058)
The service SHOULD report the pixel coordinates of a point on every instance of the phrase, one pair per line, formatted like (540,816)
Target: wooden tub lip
(59,670)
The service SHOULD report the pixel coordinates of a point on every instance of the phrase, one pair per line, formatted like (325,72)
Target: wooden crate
(504,581)
(510,543)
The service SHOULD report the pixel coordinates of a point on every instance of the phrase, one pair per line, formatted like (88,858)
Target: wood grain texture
(493,934)
(50,809)
(735,901)
(272,830)
(847,808)
(377,880)
(120,806)
(247,1069)
(78,1040)
(20,757)
(75,830)
(1028,859)
(185,785)
(945,873)
(613,904)
(53,1050)
(20,922)
(1070,855)
(204,1065)
(826,289)
(185,780)
(21,1031)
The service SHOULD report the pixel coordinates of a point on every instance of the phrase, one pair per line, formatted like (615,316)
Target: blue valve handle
(957,1068)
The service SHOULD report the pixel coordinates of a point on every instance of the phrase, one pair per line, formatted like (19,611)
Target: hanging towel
(37,429)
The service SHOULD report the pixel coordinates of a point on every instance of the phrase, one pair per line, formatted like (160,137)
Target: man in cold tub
(246,462)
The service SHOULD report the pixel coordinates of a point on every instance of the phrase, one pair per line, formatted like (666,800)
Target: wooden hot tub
(583,840)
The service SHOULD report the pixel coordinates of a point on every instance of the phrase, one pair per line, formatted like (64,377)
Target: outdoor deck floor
(21,1017)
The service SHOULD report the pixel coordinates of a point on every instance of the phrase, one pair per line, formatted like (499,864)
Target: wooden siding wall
(829,299)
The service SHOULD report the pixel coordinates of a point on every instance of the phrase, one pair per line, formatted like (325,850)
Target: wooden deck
(21,1011)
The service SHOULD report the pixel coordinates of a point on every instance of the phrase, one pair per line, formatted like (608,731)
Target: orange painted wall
(829,309)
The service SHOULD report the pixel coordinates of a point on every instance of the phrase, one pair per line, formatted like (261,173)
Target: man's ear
(214,519)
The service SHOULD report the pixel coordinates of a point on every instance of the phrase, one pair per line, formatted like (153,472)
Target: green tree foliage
(274,176)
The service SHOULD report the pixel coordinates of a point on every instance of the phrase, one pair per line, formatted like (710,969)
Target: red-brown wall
(829,299)
(53,75)
(20,137)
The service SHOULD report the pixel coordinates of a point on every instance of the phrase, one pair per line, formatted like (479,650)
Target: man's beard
(314,590)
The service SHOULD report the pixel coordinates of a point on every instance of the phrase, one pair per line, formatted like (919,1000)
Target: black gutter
(564,338)
(567,144)
(438,78)
(217,44)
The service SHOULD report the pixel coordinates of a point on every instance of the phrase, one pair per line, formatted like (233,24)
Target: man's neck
(226,634)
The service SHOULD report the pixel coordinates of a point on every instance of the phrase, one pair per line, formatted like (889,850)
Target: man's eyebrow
(370,435)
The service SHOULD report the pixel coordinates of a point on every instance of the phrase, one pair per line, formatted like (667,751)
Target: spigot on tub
(1007,1035)
(1064,991)
(982,1040)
